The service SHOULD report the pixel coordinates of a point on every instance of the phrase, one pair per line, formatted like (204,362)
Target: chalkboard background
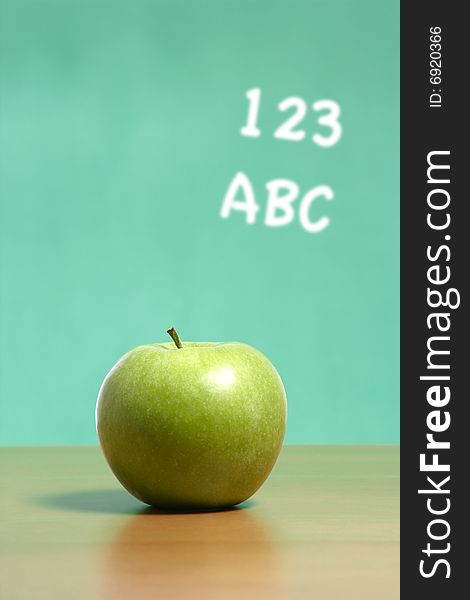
(120,135)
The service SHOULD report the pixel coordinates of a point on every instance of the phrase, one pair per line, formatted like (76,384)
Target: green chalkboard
(229,168)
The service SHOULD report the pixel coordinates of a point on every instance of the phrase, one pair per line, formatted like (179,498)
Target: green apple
(190,424)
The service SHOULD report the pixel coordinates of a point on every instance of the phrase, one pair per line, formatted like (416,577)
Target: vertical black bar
(434,119)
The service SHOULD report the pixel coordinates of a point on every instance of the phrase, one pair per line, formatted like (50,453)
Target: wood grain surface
(324,526)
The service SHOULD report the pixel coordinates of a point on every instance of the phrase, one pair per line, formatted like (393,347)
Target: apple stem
(175,337)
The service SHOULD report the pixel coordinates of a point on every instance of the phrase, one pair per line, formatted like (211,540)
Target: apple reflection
(223,554)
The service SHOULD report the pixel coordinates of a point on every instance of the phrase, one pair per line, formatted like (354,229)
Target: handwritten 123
(281,193)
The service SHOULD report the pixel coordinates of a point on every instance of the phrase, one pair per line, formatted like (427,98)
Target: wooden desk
(324,526)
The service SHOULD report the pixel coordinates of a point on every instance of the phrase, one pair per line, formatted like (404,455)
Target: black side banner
(434,273)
